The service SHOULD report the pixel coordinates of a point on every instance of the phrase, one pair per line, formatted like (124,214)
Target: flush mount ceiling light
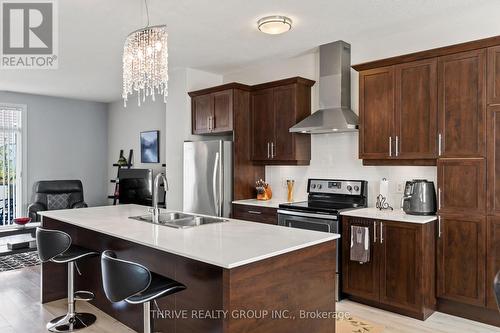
(275,24)
(145,62)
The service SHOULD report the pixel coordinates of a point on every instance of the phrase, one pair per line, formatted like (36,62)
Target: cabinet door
(494,75)
(461,186)
(401,265)
(284,118)
(202,108)
(494,160)
(262,124)
(461,259)
(416,110)
(462,104)
(376,113)
(223,111)
(492,257)
(360,280)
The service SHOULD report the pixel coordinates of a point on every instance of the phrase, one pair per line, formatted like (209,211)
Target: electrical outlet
(400,188)
(283,182)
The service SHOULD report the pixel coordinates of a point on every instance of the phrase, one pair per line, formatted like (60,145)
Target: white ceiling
(213,35)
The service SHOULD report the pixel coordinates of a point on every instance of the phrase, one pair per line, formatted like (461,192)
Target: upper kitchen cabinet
(376,113)
(212,109)
(398,113)
(416,110)
(275,107)
(462,104)
(494,75)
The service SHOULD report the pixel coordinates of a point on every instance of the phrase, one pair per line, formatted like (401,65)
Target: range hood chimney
(335,114)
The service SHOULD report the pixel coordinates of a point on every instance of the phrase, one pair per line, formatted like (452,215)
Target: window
(11,163)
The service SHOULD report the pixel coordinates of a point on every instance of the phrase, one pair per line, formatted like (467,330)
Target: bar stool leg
(148,327)
(72,320)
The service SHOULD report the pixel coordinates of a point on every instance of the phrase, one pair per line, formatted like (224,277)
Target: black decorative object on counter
(382,203)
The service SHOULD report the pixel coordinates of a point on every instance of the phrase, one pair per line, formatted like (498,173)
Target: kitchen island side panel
(283,293)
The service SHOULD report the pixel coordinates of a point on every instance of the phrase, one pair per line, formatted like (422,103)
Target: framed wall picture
(150,147)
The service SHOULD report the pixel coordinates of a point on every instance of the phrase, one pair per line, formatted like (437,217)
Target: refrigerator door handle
(214,184)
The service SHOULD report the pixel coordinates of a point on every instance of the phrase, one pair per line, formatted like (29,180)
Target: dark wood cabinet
(392,100)
(255,213)
(494,75)
(493,179)
(223,111)
(462,104)
(376,113)
(416,110)
(361,280)
(400,274)
(462,186)
(212,112)
(202,109)
(262,106)
(277,106)
(461,259)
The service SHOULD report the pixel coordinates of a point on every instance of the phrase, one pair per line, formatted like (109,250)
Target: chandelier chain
(147,11)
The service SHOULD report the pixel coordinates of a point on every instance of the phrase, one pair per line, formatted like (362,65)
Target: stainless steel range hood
(335,114)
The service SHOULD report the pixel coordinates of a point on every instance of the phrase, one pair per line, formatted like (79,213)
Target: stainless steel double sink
(179,220)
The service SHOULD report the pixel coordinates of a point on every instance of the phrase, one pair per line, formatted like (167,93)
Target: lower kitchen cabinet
(461,254)
(401,272)
(255,213)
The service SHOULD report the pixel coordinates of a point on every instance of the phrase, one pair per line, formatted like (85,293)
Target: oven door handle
(318,216)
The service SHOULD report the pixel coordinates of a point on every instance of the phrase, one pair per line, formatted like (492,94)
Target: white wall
(333,155)
(124,128)
(66,140)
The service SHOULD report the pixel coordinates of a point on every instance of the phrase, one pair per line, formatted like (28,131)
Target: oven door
(309,221)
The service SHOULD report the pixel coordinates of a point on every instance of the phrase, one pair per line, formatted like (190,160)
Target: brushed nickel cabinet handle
(439,226)
(272,150)
(254,212)
(397,145)
(390,146)
(375,231)
(268,151)
(439,198)
(381,232)
(440,147)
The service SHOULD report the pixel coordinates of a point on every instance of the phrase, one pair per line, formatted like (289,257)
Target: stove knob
(313,185)
(320,186)
(349,188)
(356,188)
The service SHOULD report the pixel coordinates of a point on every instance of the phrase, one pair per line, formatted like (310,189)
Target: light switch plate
(400,188)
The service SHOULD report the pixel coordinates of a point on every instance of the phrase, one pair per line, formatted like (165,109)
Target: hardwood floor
(395,323)
(21,312)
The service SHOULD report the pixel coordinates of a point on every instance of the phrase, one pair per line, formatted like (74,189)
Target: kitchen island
(240,276)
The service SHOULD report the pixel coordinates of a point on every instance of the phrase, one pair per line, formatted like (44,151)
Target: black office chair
(496,287)
(55,246)
(133,283)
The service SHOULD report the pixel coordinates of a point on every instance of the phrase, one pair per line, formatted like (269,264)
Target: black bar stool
(133,283)
(55,246)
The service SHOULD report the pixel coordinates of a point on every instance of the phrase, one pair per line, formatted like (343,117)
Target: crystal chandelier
(145,63)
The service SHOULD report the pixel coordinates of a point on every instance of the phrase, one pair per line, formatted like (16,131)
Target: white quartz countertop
(395,215)
(228,245)
(273,203)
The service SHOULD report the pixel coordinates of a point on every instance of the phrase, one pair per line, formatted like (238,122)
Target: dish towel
(360,244)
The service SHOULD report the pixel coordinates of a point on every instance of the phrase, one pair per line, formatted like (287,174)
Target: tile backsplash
(336,156)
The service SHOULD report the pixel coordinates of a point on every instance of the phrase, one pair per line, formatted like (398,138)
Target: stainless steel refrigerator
(208,171)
